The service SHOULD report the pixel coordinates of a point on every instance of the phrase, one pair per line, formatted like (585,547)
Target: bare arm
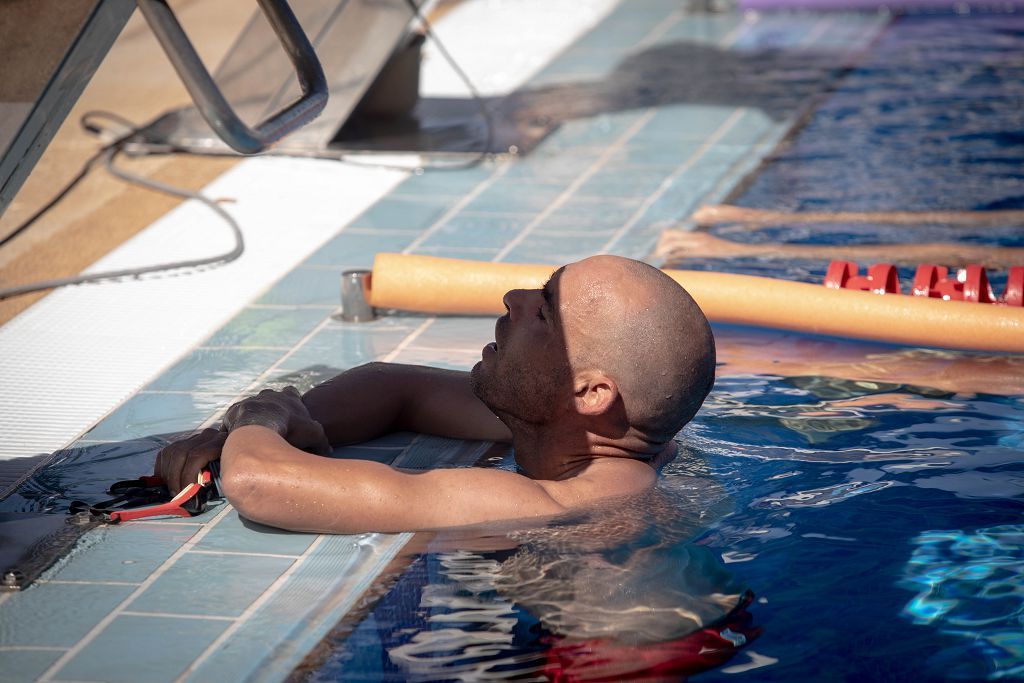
(273,483)
(357,405)
(379,398)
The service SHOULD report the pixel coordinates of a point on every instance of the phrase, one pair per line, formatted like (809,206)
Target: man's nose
(512,299)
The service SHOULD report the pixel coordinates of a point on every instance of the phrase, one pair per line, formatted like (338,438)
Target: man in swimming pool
(589,378)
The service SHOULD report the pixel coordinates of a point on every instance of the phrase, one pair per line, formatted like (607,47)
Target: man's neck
(556,454)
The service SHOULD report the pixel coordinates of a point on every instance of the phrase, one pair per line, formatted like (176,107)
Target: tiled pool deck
(213,599)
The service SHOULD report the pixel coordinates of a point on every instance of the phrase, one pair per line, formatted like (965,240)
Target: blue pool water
(871,497)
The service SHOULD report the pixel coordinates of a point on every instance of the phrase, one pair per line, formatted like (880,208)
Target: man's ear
(594,393)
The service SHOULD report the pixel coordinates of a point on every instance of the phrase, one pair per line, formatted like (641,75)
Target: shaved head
(636,324)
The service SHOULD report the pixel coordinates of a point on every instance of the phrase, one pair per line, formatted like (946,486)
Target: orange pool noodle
(440,285)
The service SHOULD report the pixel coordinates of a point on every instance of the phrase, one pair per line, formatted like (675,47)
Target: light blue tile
(457,332)
(345,345)
(56,615)
(638,246)
(750,129)
(702,29)
(147,414)
(556,161)
(514,198)
(441,182)
(135,649)
(306,286)
(582,62)
(470,253)
(588,214)
(216,371)
(623,183)
(439,358)
(358,249)
(642,153)
(267,327)
(591,132)
(403,213)
(234,534)
(124,552)
(683,121)
(212,585)
(25,666)
(556,250)
(477,230)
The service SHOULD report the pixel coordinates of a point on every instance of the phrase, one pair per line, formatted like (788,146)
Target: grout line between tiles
(454,210)
(722,129)
(172,615)
(31,648)
(409,339)
(249,611)
(114,613)
(569,191)
(86,582)
(282,556)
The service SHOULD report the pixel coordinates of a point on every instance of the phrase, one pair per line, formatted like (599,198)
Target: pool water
(871,497)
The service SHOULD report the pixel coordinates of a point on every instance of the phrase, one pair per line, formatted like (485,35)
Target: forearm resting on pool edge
(273,483)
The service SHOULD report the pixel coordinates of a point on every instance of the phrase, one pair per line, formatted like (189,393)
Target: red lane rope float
(437,285)
(969,284)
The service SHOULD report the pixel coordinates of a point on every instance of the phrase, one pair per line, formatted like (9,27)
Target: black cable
(107,154)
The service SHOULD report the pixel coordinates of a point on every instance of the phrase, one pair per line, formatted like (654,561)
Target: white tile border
(69,360)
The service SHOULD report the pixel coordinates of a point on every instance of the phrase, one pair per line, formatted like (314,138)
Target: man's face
(525,373)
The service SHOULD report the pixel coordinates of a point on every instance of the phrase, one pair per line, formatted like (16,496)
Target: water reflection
(970,584)
(615,592)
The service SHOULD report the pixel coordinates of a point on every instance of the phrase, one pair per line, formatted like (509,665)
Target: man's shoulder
(603,477)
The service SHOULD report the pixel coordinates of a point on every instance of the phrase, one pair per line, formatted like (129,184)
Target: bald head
(637,325)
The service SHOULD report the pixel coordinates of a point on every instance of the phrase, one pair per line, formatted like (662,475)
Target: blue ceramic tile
(404,213)
(618,32)
(211,585)
(137,649)
(514,198)
(124,552)
(217,371)
(25,666)
(234,534)
(638,246)
(556,250)
(470,253)
(343,346)
(306,286)
(683,121)
(353,249)
(556,161)
(442,182)
(599,131)
(752,126)
(477,230)
(456,332)
(668,154)
(579,64)
(440,358)
(148,414)
(268,327)
(615,183)
(589,215)
(702,29)
(56,615)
